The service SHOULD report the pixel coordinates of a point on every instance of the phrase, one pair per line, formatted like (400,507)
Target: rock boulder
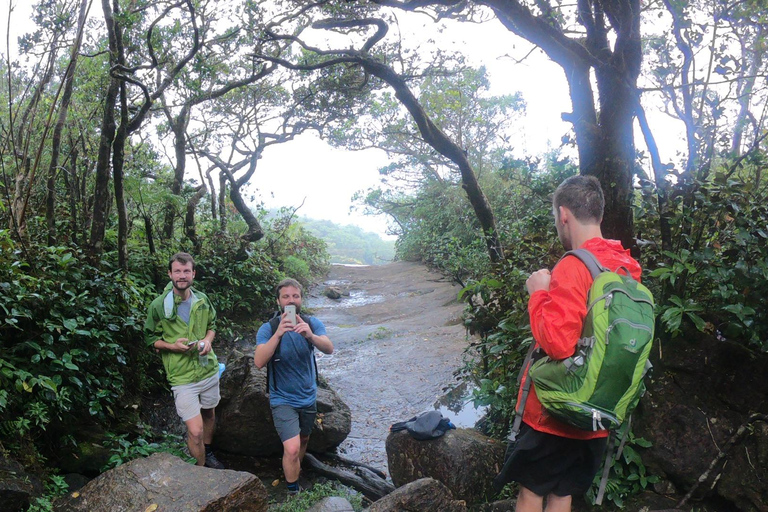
(332,293)
(16,487)
(169,483)
(702,390)
(424,495)
(463,460)
(245,419)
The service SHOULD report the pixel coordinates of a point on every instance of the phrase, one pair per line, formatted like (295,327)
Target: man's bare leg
(291,458)
(195,438)
(558,503)
(303,449)
(529,501)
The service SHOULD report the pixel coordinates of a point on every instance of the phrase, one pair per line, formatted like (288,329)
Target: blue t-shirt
(293,380)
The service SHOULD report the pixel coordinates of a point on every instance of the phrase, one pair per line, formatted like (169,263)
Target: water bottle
(202,359)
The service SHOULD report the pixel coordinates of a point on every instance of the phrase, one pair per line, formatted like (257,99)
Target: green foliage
(297,268)
(295,248)
(240,282)
(305,499)
(504,339)
(380,333)
(438,228)
(70,333)
(497,304)
(54,488)
(716,276)
(674,313)
(125,448)
(628,475)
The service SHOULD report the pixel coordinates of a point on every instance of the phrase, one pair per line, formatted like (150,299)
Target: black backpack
(274,322)
(424,426)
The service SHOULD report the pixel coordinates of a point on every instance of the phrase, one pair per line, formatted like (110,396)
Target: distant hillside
(350,244)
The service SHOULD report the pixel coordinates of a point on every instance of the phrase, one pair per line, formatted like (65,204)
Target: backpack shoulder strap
(273,323)
(534,353)
(312,350)
(588,259)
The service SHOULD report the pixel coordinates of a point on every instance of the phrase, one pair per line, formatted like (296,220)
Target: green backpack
(601,383)
(598,387)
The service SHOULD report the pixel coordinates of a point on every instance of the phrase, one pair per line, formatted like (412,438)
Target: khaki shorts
(190,398)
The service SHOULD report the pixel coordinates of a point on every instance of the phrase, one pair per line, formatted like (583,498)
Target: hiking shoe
(294,492)
(212,462)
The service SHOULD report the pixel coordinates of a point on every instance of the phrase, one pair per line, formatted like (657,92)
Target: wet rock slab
(398,341)
(165,482)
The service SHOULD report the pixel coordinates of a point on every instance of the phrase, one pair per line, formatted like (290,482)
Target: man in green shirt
(181,326)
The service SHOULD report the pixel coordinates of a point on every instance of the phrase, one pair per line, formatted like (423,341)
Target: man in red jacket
(549,458)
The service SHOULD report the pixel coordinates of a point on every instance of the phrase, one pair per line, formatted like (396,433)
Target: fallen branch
(338,458)
(370,485)
(722,454)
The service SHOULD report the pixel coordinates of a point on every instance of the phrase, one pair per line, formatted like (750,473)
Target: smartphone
(291,310)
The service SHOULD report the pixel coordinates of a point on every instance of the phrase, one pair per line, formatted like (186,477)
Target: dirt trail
(398,340)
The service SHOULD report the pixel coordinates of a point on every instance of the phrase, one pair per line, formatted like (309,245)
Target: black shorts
(549,464)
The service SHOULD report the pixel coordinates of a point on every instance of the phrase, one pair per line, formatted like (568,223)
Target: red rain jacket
(557,317)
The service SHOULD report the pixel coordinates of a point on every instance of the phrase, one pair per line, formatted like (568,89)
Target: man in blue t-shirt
(288,348)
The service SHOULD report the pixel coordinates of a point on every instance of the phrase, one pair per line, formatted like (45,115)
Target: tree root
(721,455)
(365,480)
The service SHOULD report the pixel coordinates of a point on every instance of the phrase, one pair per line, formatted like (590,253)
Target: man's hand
(181,345)
(303,328)
(206,347)
(539,280)
(284,326)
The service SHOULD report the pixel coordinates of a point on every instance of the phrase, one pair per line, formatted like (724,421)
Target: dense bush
(72,348)
(497,301)
(70,334)
(716,274)
(240,282)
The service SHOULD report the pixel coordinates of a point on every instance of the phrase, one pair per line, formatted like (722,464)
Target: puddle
(457,406)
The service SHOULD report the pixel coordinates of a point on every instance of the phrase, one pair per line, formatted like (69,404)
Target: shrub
(70,333)
(297,269)
(716,274)
(305,499)
(240,282)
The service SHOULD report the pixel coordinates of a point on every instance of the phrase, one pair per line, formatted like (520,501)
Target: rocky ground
(399,341)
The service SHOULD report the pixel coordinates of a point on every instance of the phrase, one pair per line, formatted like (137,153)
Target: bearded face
(182,276)
(289,295)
